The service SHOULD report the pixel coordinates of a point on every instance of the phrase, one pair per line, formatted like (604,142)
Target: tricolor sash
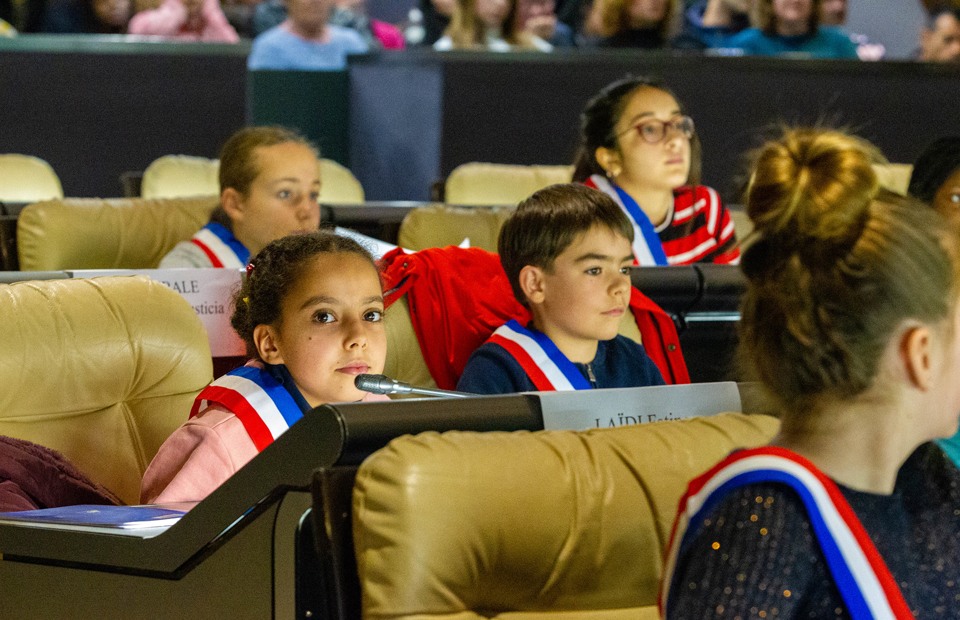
(544,363)
(221,247)
(258,400)
(647,248)
(868,589)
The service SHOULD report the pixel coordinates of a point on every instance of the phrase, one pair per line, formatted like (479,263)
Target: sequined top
(755,555)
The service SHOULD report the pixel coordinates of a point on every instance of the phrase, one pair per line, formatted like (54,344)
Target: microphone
(382,384)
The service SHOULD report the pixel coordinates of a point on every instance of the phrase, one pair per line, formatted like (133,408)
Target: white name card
(585,409)
(209,291)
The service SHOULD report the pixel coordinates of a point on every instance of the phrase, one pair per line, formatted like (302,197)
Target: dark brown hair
(274,271)
(836,266)
(599,120)
(546,223)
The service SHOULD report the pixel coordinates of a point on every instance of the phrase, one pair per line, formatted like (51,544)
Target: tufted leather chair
(101,370)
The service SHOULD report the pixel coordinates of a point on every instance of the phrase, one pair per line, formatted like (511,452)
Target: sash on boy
(221,247)
(866,585)
(264,407)
(544,363)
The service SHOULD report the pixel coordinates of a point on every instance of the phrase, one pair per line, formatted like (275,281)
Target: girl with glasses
(638,146)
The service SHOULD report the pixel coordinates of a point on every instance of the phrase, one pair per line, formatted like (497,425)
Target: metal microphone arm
(381,384)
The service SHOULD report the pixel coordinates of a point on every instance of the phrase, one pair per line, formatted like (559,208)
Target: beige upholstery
(24,178)
(101,370)
(92,233)
(895,177)
(438,226)
(500,184)
(526,526)
(405,360)
(177,176)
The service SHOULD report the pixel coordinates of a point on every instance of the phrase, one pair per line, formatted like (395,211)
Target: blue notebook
(120,517)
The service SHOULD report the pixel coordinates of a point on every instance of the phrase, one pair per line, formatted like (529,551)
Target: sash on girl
(868,589)
(221,247)
(544,363)
(647,248)
(262,405)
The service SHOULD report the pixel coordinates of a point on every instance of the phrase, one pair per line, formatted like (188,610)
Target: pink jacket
(170,20)
(200,455)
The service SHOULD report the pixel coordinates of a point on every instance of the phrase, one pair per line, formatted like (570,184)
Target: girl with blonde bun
(850,323)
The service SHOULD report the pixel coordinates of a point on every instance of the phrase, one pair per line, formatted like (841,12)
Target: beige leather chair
(438,226)
(895,177)
(177,176)
(500,184)
(530,526)
(24,178)
(92,233)
(101,370)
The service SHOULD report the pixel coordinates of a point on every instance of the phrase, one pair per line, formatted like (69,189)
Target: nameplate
(209,291)
(586,409)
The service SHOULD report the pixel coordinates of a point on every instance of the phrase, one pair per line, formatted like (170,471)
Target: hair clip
(249,268)
(246,301)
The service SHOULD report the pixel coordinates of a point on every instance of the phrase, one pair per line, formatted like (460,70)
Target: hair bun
(809,195)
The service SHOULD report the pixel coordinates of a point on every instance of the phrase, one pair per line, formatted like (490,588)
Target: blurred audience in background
(643,24)
(350,14)
(792,27)
(940,37)
(88,16)
(709,24)
(834,13)
(488,25)
(185,20)
(539,18)
(306,40)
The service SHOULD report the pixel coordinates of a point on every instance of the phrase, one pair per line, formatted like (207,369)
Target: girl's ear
(532,284)
(266,338)
(609,160)
(232,202)
(916,355)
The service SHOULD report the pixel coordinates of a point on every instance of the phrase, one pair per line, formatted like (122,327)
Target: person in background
(793,27)
(306,41)
(310,312)
(185,20)
(940,37)
(538,18)
(6,30)
(350,14)
(269,185)
(708,24)
(88,16)
(851,325)
(643,24)
(834,13)
(436,18)
(639,147)
(489,25)
(566,252)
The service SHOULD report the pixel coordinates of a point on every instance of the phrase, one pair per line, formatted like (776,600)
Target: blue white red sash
(647,248)
(221,247)
(258,400)
(868,589)
(544,363)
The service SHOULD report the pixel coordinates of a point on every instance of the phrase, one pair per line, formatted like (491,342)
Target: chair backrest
(438,226)
(895,177)
(500,184)
(24,178)
(101,370)
(93,233)
(178,176)
(530,525)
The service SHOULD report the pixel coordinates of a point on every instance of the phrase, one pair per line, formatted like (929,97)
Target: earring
(612,175)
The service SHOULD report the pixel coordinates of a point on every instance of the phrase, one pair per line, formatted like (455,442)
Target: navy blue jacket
(620,362)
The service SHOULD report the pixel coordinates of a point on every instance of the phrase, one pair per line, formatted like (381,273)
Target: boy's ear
(232,202)
(532,283)
(609,160)
(266,339)
(916,356)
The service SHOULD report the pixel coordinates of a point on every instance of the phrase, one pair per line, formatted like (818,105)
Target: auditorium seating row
(539,523)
